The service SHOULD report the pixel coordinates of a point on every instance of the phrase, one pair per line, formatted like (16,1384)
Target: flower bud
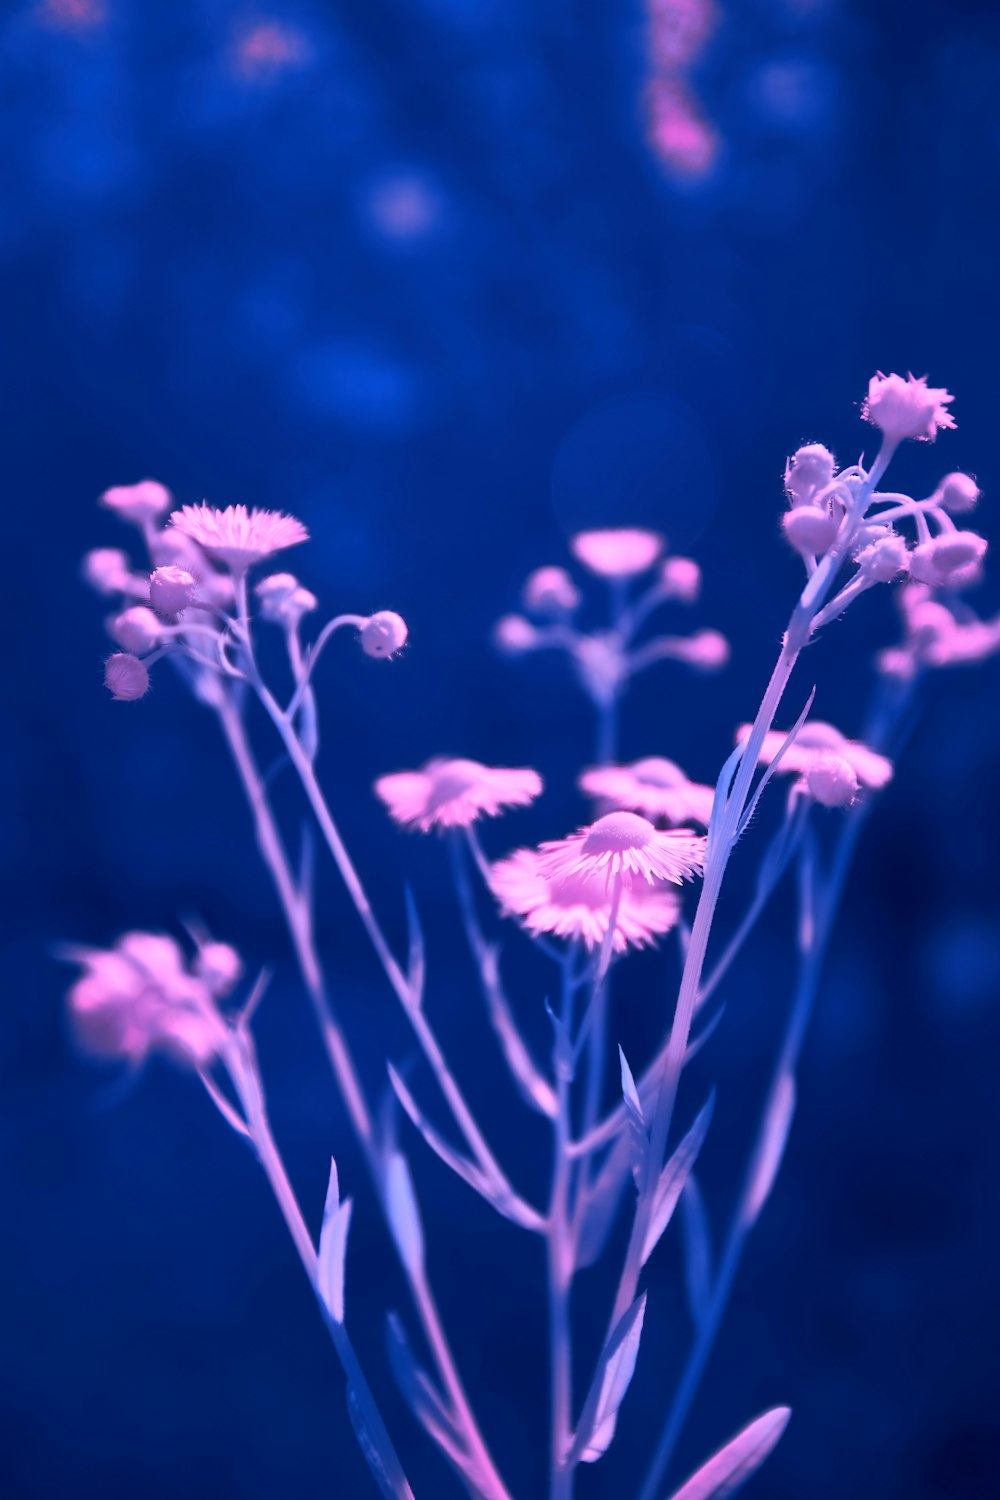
(219,966)
(136,630)
(883,559)
(550,591)
(283,600)
(126,677)
(957,493)
(949,560)
(138,502)
(515,634)
(832,781)
(171,590)
(680,579)
(107,570)
(809,529)
(809,470)
(706,649)
(383,634)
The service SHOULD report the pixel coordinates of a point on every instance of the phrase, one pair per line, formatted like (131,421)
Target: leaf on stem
(402,1211)
(333,1248)
(786,744)
(697,1250)
(723,787)
(416,967)
(614,1373)
(534,1087)
(498,1194)
(674,1177)
(636,1120)
(773,1141)
(729,1469)
(385,1467)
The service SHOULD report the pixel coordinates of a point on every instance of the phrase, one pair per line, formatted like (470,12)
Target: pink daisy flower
(623,843)
(579,905)
(814,746)
(238,537)
(622,553)
(454,793)
(655,787)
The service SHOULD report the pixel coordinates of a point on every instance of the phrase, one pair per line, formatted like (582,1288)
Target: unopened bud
(107,570)
(957,493)
(948,560)
(515,634)
(884,559)
(219,966)
(809,470)
(680,579)
(126,677)
(383,634)
(832,781)
(136,630)
(550,591)
(810,529)
(138,502)
(171,590)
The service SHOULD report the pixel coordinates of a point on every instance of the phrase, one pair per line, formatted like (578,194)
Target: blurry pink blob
(267,49)
(620,553)
(72,15)
(655,787)
(403,207)
(579,905)
(815,742)
(140,502)
(679,136)
(626,845)
(455,793)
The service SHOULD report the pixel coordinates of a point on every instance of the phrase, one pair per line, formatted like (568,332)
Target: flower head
(139,997)
(455,793)
(238,537)
(383,634)
(620,553)
(140,502)
(626,845)
(907,408)
(653,786)
(579,905)
(812,749)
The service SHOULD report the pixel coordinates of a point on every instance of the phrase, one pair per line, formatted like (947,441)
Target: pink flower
(454,793)
(907,408)
(617,554)
(238,537)
(138,502)
(624,844)
(139,997)
(812,748)
(655,787)
(579,905)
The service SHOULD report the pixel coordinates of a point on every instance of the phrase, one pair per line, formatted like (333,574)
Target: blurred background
(449,279)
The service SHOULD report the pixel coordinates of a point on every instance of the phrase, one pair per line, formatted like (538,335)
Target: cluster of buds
(143,995)
(198,558)
(605,659)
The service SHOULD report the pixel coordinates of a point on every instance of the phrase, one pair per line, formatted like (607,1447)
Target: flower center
(617,832)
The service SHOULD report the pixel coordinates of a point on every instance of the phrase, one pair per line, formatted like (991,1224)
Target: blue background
(426,285)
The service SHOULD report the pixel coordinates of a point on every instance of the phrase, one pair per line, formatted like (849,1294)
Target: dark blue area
(419,279)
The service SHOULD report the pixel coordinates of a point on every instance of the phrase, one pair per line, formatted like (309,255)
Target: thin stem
(375,1442)
(298,920)
(561,1255)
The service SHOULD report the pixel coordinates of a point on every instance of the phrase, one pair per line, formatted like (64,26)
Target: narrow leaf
(416,968)
(774,1138)
(384,1466)
(723,787)
(729,1469)
(498,1194)
(534,1086)
(674,1177)
(697,1250)
(776,762)
(614,1373)
(402,1211)
(333,1248)
(636,1120)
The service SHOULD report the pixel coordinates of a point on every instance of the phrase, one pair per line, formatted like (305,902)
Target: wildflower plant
(651,861)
